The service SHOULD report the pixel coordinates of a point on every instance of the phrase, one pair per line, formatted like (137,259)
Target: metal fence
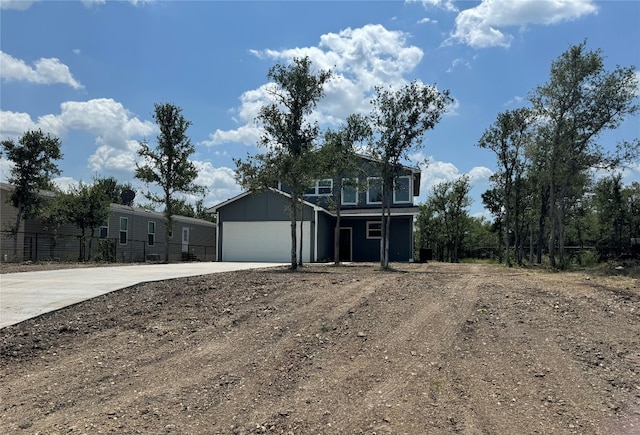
(72,247)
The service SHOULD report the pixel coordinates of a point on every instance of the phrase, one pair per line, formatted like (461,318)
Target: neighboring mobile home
(256,226)
(131,234)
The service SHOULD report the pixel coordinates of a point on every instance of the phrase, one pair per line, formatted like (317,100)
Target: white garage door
(261,241)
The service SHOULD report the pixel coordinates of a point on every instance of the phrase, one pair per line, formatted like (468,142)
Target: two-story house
(256,226)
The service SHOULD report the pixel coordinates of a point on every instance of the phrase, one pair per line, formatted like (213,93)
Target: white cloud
(220,182)
(62,183)
(479,174)
(427,20)
(116,130)
(443,4)
(452,108)
(20,5)
(14,124)
(514,101)
(96,3)
(44,71)
(5,169)
(66,183)
(458,62)
(114,158)
(360,59)
(23,5)
(481,25)
(246,134)
(435,172)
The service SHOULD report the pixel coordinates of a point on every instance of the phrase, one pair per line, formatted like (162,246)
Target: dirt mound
(429,348)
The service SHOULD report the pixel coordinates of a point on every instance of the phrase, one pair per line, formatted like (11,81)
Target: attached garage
(261,241)
(257,227)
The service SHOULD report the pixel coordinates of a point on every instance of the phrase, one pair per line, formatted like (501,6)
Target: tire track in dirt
(422,329)
(427,348)
(429,331)
(540,382)
(241,342)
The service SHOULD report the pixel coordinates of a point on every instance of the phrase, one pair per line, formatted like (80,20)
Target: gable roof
(216,207)
(137,211)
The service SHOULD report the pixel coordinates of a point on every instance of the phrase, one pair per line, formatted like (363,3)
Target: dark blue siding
(400,242)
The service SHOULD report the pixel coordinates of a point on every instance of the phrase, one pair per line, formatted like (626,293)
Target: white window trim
(107,233)
(410,191)
(369,230)
(123,231)
(316,188)
(353,187)
(369,189)
(151,233)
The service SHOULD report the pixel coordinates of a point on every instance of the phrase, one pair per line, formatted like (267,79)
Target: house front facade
(256,226)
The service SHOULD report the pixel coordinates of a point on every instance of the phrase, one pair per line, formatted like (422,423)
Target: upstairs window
(402,190)
(349,191)
(321,188)
(374,190)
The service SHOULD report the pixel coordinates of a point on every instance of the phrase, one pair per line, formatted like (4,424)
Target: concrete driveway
(29,294)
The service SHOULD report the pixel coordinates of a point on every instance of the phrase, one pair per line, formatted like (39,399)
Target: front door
(345,244)
(185,239)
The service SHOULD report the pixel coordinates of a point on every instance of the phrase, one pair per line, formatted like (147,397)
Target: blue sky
(89,72)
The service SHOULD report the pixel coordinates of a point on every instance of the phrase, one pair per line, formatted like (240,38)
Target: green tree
(113,189)
(508,138)
(493,201)
(339,159)
(480,239)
(611,209)
(168,165)
(86,207)
(427,230)
(182,208)
(579,101)
(288,135)
(443,220)
(399,119)
(33,159)
(632,193)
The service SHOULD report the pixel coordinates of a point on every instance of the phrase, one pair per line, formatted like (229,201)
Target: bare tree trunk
(16,230)
(386,239)
(382,237)
(81,254)
(93,231)
(294,217)
(168,229)
(336,239)
(507,228)
(530,241)
(553,221)
(384,228)
(300,259)
(561,221)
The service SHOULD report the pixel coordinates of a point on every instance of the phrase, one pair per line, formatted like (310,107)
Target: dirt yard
(425,349)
